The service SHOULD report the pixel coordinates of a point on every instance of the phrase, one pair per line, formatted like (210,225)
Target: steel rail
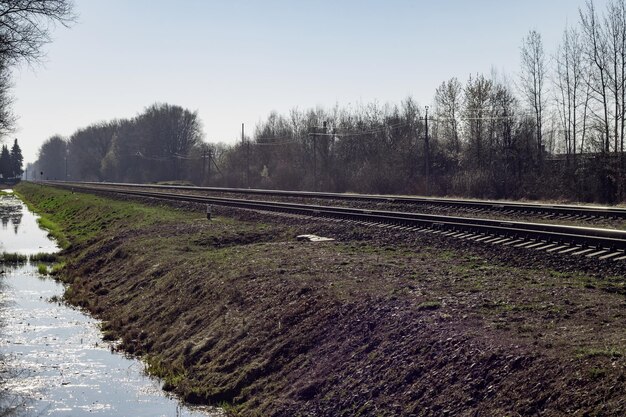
(531,208)
(609,239)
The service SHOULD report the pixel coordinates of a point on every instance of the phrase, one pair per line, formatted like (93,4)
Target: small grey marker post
(208,212)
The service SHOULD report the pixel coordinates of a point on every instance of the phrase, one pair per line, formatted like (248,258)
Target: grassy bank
(377,323)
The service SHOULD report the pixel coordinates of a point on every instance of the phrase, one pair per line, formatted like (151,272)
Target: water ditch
(53,361)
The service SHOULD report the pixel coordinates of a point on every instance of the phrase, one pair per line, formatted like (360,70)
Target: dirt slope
(377,323)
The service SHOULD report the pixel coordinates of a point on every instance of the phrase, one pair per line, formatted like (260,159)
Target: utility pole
(212,159)
(247,146)
(314,137)
(66,167)
(325,155)
(243,144)
(209,167)
(203,164)
(324,162)
(248,161)
(427,153)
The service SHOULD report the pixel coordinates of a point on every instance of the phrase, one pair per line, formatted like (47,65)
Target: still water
(53,361)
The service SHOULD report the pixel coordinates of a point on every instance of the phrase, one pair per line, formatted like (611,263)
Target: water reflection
(53,361)
(11,403)
(10,212)
(20,231)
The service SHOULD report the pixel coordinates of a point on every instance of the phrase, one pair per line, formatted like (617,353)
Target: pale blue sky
(236,61)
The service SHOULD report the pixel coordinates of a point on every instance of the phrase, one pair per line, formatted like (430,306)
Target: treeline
(11,161)
(556,132)
(154,146)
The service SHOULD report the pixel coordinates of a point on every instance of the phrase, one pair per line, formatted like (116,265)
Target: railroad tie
(594,254)
(513,242)
(557,248)
(582,252)
(534,245)
(571,249)
(610,255)
(463,235)
(525,244)
(547,246)
(501,241)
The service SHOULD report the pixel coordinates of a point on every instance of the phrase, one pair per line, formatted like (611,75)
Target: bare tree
(25,27)
(596,52)
(532,80)
(569,83)
(448,101)
(615,26)
(476,113)
(7,118)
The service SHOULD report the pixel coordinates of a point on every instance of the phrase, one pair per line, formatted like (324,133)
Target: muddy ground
(379,322)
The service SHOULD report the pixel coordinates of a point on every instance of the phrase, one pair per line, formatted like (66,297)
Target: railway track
(547,211)
(606,244)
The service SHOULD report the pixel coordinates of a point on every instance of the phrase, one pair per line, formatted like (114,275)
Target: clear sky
(236,61)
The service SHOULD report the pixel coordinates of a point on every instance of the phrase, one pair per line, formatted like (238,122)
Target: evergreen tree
(16,160)
(5,162)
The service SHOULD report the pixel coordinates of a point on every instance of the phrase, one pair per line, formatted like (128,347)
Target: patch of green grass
(229,408)
(43,257)
(429,305)
(558,274)
(77,217)
(597,373)
(42,269)
(13,258)
(448,254)
(613,284)
(56,268)
(594,352)
(54,231)
(172,375)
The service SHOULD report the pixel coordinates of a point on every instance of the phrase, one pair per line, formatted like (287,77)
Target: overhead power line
(287,142)
(363,132)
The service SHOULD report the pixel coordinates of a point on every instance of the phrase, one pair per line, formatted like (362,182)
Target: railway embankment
(379,322)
